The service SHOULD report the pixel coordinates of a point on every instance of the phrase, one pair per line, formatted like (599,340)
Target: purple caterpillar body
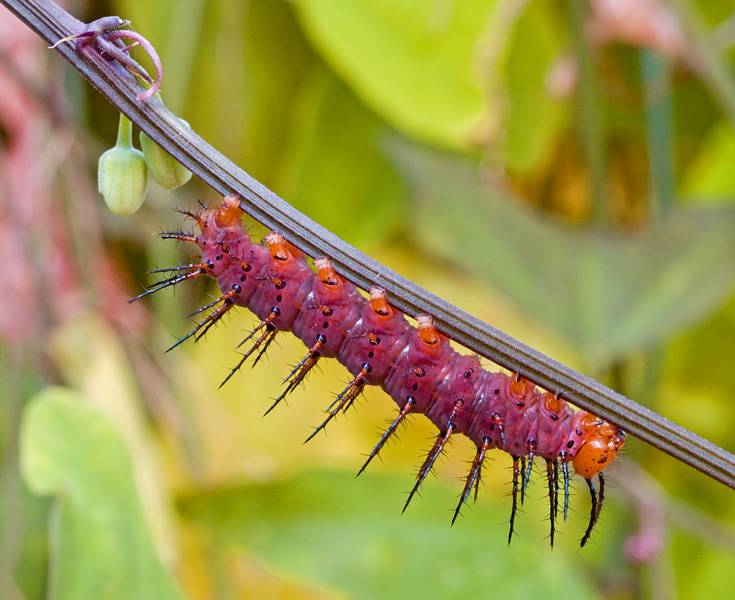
(416,366)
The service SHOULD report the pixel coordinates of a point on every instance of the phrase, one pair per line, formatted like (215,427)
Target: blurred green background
(564,170)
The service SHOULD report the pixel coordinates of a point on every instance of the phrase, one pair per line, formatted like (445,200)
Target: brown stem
(52,23)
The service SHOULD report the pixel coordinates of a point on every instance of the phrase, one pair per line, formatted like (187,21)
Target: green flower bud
(122,175)
(165,169)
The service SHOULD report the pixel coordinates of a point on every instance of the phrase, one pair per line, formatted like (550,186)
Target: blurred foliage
(320,158)
(589,286)
(710,178)
(416,63)
(369,550)
(101,546)
(465,145)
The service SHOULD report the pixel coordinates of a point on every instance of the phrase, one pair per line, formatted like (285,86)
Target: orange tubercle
(326,273)
(427,331)
(520,387)
(277,246)
(228,214)
(379,303)
(553,403)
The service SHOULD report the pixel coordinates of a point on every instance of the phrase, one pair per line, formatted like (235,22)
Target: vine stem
(52,23)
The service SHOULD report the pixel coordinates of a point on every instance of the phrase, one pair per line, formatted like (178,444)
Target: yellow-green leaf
(329,529)
(101,546)
(420,64)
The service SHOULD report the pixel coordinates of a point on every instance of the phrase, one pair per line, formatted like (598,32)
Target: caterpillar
(416,366)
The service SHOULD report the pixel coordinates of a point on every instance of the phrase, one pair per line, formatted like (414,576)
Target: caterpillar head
(601,443)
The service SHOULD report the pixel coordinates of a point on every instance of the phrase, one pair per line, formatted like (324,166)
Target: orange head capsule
(228,213)
(600,446)
(379,303)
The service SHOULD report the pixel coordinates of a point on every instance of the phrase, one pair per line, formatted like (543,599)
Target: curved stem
(152,54)
(51,23)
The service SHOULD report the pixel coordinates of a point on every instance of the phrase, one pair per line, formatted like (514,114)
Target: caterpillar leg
(552,504)
(473,477)
(410,403)
(428,464)
(202,327)
(166,283)
(343,400)
(517,470)
(596,506)
(299,372)
(264,335)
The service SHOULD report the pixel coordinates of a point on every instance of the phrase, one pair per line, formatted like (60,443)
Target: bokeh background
(563,170)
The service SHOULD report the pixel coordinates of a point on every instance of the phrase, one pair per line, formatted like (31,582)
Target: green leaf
(91,357)
(710,179)
(607,293)
(339,176)
(694,374)
(533,116)
(31,571)
(101,546)
(276,58)
(330,529)
(418,64)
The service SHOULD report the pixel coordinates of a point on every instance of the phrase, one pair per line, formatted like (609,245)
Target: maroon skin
(519,416)
(419,371)
(328,313)
(487,411)
(283,285)
(243,275)
(376,339)
(458,386)
(551,425)
(228,255)
(375,342)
